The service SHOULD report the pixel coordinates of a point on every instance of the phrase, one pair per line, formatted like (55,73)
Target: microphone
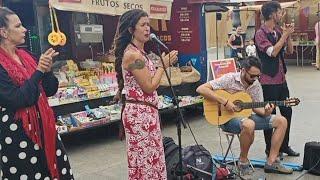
(154,38)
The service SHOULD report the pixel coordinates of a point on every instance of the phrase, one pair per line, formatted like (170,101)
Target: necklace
(142,52)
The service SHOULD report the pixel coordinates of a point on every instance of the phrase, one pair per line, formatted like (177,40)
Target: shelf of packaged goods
(70,107)
(181,90)
(81,100)
(65,109)
(181,106)
(106,121)
(90,125)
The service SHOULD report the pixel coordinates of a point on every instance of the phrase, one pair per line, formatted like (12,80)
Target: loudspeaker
(218,16)
(311,157)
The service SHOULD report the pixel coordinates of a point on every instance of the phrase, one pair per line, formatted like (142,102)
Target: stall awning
(157,9)
(292,4)
(223,1)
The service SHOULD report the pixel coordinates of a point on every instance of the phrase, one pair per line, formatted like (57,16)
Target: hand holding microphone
(45,60)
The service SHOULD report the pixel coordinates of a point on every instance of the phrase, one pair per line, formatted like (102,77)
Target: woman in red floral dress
(139,79)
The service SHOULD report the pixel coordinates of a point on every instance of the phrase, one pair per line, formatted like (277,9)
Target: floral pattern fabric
(146,160)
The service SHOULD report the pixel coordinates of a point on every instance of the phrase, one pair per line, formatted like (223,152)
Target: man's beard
(249,82)
(276,21)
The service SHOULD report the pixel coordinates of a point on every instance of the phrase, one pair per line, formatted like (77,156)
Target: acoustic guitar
(216,114)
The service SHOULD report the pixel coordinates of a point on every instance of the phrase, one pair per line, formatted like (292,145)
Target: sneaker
(277,168)
(245,170)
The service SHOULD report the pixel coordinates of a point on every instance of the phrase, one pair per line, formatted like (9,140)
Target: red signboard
(185,27)
(182,31)
(221,67)
(154,9)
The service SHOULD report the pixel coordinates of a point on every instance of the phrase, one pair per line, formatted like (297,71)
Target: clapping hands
(45,60)
(288,29)
(170,58)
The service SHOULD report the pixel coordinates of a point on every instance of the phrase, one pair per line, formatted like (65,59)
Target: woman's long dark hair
(123,37)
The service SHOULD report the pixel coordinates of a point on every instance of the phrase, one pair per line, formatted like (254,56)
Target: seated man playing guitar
(247,81)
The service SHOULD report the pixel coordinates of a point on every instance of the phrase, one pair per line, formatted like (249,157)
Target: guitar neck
(261,104)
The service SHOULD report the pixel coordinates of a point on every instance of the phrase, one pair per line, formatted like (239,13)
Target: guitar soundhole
(238,103)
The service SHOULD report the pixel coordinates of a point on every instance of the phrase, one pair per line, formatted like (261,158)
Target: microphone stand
(180,118)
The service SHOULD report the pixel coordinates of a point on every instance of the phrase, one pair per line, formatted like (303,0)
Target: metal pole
(217,43)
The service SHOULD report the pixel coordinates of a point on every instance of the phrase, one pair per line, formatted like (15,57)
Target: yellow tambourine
(63,38)
(54,38)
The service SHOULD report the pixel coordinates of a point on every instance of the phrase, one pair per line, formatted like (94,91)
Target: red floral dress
(145,152)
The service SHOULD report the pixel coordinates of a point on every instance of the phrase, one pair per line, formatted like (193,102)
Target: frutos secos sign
(157,9)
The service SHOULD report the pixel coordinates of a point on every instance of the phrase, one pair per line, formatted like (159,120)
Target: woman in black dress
(235,42)
(30,147)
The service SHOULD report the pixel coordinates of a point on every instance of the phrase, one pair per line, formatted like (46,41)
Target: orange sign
(223,66)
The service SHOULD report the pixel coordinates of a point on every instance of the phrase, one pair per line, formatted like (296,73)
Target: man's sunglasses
(253,76)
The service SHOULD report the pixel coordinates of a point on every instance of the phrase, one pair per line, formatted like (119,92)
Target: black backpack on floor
(197,161)
(171,151)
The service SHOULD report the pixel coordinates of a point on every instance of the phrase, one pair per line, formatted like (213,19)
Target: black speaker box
(311,157)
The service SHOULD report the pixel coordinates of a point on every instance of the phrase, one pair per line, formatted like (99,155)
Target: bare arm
(287,31)
(277,47)
(317,31)
(289,46)
(258,97)
(230,40)
(207,92)
(266,111)
(241,46)
(135,63)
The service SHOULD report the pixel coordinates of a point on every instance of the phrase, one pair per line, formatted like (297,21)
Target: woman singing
(139,79)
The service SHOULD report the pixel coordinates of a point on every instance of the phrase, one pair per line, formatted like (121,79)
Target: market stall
(86,88)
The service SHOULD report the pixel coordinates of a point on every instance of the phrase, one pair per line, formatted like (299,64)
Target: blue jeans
(261,123)
(234,53)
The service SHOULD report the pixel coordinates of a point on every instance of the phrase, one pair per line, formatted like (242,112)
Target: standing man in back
(272,42)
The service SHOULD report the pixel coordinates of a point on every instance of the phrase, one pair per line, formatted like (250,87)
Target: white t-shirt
(251,50)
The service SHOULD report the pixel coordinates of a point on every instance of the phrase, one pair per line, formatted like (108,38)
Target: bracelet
(226,102)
